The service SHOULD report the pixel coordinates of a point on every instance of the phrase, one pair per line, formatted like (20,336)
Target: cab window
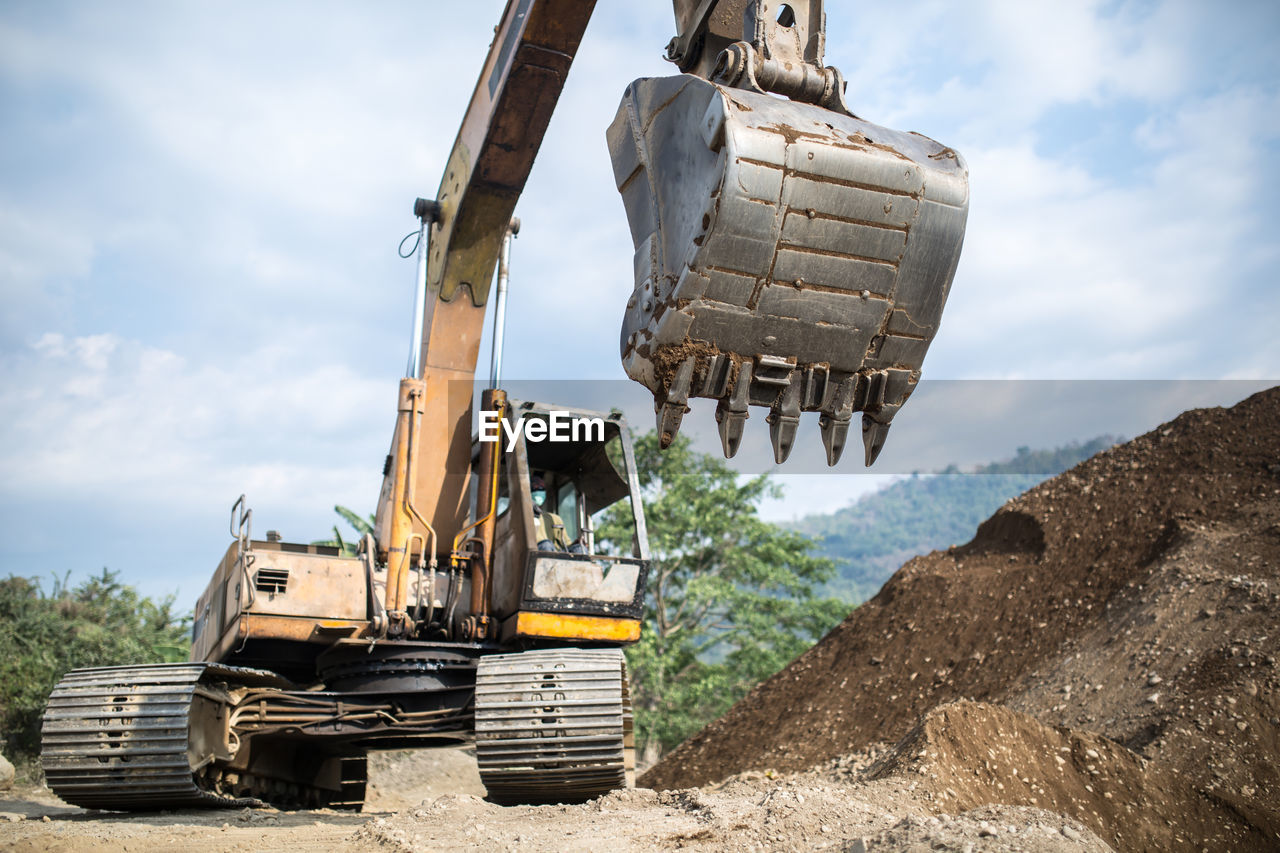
(567,509)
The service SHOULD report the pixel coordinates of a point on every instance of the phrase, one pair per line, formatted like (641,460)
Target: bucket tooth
(837,414)
(783,420)
(671,411)
(782,432)
(669,417)
(873,435)
(731,425)
(731,412)
(835,431)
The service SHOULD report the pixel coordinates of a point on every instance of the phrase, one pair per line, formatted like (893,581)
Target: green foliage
(871,538)
(362,526)
(730,597)
(101,622)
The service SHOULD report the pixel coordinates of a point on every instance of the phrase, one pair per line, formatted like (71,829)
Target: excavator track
(123,738)
(553,726)
(117,737)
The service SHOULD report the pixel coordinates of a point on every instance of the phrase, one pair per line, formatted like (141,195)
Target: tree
(101,622)
(362,526)
(730,597)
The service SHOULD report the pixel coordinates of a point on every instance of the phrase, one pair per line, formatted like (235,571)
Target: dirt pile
(1135,596)
(968,754)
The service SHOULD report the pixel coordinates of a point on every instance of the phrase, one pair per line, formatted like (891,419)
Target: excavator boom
(510,108)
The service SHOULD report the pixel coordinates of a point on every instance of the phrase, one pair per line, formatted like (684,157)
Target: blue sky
(200,205)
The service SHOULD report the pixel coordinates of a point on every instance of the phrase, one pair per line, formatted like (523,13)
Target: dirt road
(835,808)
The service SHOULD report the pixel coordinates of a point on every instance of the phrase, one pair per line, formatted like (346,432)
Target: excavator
(788,255)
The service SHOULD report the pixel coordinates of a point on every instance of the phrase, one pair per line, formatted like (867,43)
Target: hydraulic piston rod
(500,304)
(427,212)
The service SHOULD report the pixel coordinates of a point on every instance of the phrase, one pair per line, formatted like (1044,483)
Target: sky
(200,206)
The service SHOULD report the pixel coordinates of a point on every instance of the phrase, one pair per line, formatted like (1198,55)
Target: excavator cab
(788,254)
(580,585)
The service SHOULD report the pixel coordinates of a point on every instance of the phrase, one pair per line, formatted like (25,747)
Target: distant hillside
(872,537)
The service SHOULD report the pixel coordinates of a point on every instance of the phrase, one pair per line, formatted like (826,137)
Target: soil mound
(1135,596)
(971,754)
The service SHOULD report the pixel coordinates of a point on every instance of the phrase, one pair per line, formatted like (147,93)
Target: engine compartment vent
(271,580)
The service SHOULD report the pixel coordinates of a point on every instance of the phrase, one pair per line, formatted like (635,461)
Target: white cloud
(1089,276)
(102,418)
(286,150)
(1001,64)
(279,105)
(270,153)
(1063,53)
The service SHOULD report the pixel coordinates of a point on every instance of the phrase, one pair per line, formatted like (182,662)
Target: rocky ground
(433,801)
(1095,670)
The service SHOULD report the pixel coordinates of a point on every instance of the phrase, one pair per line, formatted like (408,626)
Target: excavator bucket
(787,255)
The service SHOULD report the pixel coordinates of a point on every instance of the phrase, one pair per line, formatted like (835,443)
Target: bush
(101,622)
